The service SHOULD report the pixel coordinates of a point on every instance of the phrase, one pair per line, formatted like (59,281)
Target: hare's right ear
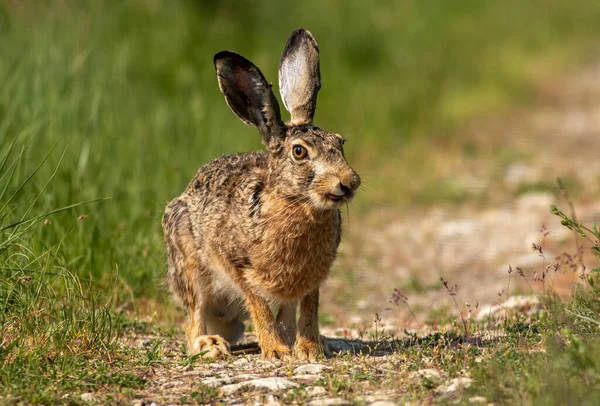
(300,76)
(248,94)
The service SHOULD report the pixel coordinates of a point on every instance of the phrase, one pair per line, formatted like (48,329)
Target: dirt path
(509,185)
(470,245)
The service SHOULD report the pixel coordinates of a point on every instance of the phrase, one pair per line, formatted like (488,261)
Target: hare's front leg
(309,345)
(271,344)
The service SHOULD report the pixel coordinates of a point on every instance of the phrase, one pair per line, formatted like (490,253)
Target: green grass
(116,104)
(128,88)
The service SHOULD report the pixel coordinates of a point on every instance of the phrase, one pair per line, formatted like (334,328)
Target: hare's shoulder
(229,172)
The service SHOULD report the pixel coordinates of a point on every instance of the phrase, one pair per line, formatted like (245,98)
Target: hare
(261,229)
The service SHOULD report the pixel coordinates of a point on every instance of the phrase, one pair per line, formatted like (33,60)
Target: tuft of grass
(51,321)
(554,359)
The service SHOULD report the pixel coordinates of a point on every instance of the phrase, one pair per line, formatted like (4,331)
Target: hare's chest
(290,262)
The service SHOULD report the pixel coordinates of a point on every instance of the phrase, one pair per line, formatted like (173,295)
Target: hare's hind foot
(214,347)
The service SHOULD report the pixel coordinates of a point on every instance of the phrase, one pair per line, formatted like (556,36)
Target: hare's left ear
(300,76)
(249,95)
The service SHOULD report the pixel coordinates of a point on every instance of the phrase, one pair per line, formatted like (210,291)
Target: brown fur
(261,228)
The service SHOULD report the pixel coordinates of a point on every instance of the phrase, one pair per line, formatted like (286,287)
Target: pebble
(428,373)
(454,385)
(316,391)
(264,383)
(313,369)
(328,402)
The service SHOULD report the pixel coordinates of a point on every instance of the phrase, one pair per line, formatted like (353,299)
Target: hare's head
(306,161)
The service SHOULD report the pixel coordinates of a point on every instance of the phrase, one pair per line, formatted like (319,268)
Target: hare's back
(229,177)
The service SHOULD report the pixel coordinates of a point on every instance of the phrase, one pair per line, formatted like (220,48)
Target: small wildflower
(398,297)
(452,290)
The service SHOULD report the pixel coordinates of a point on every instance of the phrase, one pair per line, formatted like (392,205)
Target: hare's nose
(345,189)
(350,183)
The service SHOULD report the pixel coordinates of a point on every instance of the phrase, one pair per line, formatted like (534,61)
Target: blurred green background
(128,89)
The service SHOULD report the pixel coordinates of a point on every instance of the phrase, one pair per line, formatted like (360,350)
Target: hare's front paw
(275,352)
(214,347)
(310,351)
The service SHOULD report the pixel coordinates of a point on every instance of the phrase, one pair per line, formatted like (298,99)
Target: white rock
(314,369)
(273,384)
(309,377)
(427,373)
(382,403)
(454,385)
(477,399)
(521,304)
(216,382)
(241,361)
(87,397)
(328,402)
(315,391)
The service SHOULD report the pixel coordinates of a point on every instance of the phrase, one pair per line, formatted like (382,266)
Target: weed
(153,353)
(205,394)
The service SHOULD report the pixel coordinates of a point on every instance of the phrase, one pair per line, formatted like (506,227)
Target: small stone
(241,361)
(328,402)
(87,397)
(316,391)
(454,385)
(309,377)
(264,383)
(382,403)
(427,373)
(217,382)
(314,369)
(477,399)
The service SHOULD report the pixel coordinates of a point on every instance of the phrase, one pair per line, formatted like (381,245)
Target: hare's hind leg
(188,279)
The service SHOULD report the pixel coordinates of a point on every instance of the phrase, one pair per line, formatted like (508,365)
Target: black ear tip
(225,55)
(301,32)
(232,59)
(298,37)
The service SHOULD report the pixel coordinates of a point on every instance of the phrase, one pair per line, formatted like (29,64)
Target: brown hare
(261,229)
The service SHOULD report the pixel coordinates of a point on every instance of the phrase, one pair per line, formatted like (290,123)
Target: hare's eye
(299,152)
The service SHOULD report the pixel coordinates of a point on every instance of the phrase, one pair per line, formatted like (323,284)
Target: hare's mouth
(340,198)
(335,198)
